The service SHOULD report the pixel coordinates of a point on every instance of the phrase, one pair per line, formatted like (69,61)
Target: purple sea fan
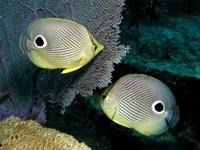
(16,73)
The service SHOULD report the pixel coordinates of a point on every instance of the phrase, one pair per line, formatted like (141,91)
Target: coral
(26,135)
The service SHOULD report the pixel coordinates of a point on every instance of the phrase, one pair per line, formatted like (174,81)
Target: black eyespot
(39,41)
(159,107)
(95,47)
(103,96)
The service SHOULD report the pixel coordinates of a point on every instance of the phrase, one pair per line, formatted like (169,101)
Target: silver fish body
(142,103)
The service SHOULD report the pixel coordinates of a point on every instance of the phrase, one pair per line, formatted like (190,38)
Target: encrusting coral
(29,135)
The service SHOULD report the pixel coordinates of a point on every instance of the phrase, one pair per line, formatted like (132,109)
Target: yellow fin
(67,70)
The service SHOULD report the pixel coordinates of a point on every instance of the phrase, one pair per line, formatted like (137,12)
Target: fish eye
(158,107)
(40,41)
(103,96)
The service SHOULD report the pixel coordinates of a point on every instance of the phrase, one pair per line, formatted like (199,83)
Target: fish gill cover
(25,82)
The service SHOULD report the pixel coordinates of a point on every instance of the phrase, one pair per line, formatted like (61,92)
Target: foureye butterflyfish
(59,43)
(141,102)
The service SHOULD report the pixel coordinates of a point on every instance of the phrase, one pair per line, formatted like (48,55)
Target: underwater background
(163,39)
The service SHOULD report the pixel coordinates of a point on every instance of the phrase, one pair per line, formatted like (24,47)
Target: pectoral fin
(67,70)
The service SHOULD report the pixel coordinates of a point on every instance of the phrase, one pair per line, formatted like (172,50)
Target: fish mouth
(172,117)
(23,43)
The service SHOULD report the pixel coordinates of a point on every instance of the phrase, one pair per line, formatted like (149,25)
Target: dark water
(164,40)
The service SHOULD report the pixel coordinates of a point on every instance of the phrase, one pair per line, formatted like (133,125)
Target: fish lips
(172,116)
(24,42)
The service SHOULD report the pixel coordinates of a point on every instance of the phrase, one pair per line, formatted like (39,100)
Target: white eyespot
(158,107)
(40,41)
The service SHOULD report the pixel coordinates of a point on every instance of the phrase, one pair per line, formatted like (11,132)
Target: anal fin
(67,70)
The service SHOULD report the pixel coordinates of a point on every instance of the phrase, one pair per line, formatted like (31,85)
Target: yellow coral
(16,134)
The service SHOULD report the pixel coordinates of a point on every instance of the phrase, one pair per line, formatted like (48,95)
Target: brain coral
(29,135)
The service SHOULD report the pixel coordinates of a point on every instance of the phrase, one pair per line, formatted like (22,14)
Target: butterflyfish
(59,43)
(142,103)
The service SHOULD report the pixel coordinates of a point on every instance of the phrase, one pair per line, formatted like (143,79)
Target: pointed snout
(172,116)
(23,43)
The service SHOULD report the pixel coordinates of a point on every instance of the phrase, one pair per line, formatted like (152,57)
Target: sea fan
(14,77)
(16,72)
(101,17)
